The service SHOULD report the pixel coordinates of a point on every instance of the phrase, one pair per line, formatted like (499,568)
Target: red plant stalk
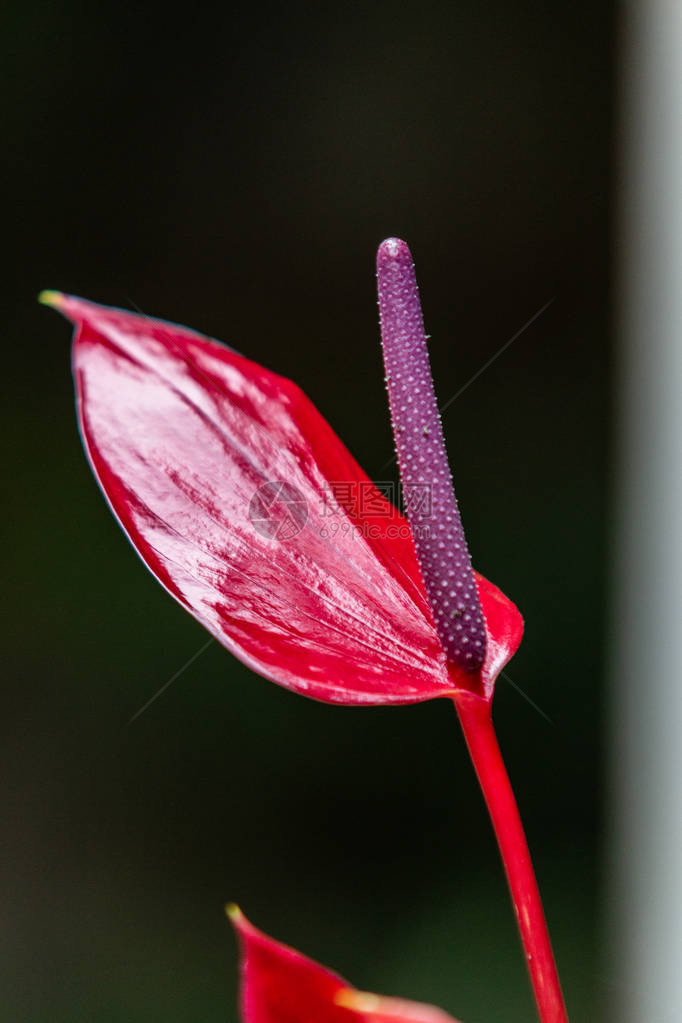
(476,720)
(453,594)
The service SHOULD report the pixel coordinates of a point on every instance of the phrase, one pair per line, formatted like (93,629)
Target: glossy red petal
(317,592)
(279,985)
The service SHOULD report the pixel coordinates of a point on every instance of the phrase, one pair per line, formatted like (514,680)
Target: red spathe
(279,985)
(181,433)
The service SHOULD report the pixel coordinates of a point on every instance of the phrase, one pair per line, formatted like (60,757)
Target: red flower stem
(476,720)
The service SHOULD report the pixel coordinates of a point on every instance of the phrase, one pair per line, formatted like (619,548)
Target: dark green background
(234,170)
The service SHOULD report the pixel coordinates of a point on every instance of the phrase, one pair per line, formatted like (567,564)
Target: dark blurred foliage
(234,169)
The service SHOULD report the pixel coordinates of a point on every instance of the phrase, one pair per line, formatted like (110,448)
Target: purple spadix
(428,492)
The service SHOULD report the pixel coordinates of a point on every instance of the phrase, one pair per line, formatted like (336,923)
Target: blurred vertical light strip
(646,697)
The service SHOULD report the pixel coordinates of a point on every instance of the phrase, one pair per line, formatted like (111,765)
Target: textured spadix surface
(247,507)
(428,491)
(279,985)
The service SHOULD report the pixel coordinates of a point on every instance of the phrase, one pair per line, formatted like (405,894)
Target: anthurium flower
(247,507)
(279,985)
(250,511)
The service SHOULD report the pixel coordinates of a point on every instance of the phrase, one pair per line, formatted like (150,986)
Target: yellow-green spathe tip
(233,912)
(52,298)
(360,1001)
